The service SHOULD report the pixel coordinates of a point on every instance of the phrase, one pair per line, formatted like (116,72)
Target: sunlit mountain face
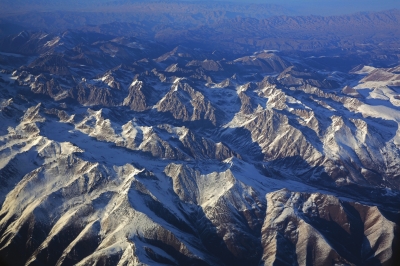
(199,133)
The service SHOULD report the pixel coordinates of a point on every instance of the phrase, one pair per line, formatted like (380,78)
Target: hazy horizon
(325,7)
(294,7)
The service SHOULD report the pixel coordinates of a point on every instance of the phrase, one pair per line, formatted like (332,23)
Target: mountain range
(121,149)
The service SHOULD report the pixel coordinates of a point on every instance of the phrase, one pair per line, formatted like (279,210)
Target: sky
(329,7)
(299,7)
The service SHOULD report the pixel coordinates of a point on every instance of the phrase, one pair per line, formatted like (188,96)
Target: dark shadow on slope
(387,129)
(22,164)
(182,259)
(3,262)
(346,245)
(240,141)
(159,210)
(395,88)
(369,194)
(376,102)
(159,117)
(286,252)
(158,257)
(310,135)
(31,234)
(396,248)
(393,216)
(295,167)
(214,242)
(361,243)
(85,246)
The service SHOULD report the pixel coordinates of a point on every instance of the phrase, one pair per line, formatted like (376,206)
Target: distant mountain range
(175,23)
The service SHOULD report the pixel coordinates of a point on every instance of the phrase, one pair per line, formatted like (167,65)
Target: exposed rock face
(208,65)
(112,157)
(320,229)
(187,104)
(138,96)
(267,62)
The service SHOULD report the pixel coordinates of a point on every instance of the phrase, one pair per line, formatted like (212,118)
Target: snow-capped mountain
(118,151)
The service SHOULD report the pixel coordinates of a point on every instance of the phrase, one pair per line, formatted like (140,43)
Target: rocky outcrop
(138,97)
(317,229)
(186,104)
